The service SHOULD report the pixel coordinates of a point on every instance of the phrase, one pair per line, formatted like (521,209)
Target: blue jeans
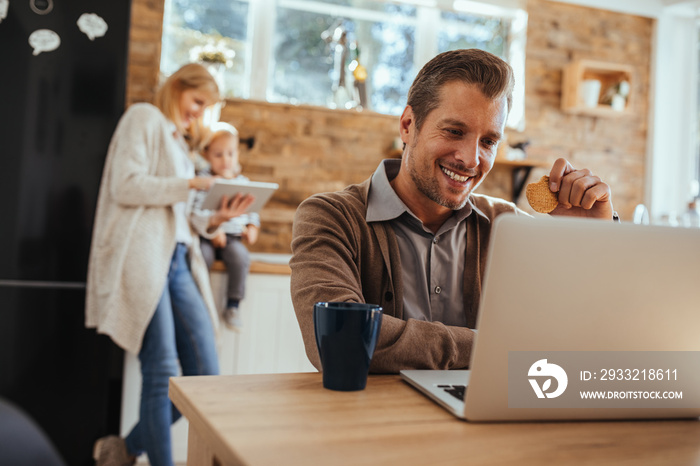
(180,329)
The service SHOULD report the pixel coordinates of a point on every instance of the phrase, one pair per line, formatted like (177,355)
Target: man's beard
(430,187)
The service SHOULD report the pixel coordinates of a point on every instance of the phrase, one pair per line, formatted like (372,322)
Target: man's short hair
(470,66)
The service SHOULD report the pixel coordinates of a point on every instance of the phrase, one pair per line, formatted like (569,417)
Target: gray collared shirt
(432,265)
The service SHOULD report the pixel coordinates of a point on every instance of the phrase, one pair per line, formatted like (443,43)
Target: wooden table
(291,419)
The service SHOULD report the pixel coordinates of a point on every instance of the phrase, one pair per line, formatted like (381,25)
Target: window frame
(262,17)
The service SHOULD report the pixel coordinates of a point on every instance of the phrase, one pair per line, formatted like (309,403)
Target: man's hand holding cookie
(579,193)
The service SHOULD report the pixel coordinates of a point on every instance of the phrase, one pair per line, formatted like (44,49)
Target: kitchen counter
(277,264)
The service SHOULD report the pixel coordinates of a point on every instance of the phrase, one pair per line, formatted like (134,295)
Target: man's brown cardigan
(338,256)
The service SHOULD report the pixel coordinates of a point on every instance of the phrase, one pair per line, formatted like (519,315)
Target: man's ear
(406,124)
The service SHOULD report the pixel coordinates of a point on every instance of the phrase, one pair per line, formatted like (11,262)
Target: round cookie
(540,197)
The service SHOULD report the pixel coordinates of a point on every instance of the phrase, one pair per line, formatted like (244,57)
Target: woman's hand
(201,183)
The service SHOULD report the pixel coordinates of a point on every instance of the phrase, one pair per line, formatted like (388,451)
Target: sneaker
(111,451)
(232,318)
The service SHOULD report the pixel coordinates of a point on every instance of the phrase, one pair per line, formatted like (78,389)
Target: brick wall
(310,149)
(144,49)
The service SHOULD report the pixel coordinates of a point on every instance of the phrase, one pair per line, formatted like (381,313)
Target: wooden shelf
(520,171)
(609,74)
(520,163)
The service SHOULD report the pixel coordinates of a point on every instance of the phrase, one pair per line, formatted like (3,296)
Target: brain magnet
(44,40)
(92,25)
(4,5)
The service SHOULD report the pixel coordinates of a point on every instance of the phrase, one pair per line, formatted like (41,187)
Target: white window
(215,29)
(314,39)
(302,51)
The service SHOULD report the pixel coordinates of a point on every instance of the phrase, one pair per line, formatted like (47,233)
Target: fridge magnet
(41,7)
(92,25)
(4,5)
(44,40)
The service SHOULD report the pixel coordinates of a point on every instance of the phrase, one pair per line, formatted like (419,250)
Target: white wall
(672,147)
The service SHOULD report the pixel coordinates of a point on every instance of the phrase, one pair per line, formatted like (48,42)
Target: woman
(148,285)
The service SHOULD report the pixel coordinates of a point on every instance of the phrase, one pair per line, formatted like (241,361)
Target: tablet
(261,191)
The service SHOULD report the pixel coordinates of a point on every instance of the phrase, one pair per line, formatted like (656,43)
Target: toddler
(227,242)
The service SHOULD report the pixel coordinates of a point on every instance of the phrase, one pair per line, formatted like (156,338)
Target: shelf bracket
(520,175)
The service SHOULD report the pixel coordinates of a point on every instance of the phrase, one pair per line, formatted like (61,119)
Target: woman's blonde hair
(191,76)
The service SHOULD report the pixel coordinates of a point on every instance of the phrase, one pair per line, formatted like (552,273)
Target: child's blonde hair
(216,131)
(167,99)
(219,129)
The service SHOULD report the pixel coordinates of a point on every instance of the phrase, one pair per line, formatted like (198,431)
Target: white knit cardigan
(133,238)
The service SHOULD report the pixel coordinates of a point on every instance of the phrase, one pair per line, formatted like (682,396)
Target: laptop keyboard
(458,391)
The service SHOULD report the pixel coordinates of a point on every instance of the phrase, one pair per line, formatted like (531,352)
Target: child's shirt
(200,217)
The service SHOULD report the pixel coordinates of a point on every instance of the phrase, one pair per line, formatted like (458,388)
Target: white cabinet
(270,342)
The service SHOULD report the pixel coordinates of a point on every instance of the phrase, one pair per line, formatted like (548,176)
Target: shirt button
(438,290)
(435,240)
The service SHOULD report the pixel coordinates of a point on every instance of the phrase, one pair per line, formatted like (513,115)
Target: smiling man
(413,238)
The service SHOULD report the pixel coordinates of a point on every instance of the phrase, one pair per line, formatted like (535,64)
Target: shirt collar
(479,212)
(384,204)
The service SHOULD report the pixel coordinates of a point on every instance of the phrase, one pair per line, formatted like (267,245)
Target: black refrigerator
(62,91)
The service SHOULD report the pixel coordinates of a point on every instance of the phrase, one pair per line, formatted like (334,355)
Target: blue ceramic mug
(346,335)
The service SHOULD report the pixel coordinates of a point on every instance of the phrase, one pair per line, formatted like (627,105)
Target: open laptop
(611,305)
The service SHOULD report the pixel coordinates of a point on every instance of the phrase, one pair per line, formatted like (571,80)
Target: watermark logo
(604,379)
(547,371)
